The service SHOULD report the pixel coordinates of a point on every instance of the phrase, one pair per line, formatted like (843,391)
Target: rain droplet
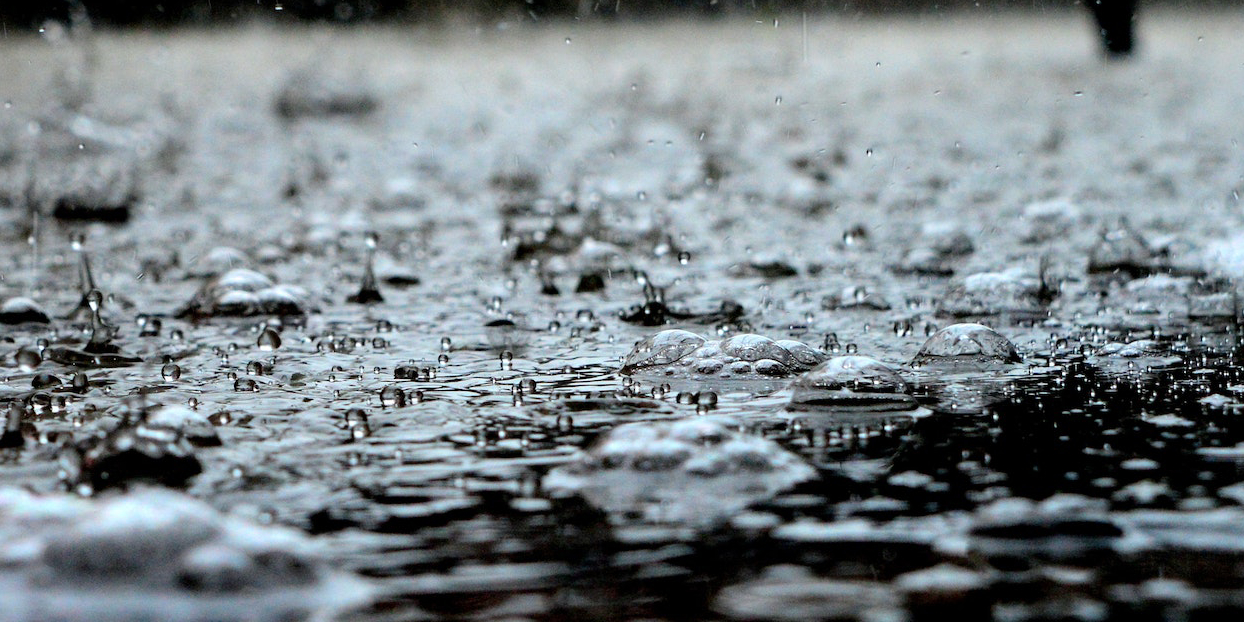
(28,360)
(43,381)
(392,397)
(268,340)
(172,371)
(356,423)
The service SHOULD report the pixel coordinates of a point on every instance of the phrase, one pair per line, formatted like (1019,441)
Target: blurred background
(24,15)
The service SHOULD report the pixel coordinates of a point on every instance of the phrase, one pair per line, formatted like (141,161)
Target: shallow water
(855,188)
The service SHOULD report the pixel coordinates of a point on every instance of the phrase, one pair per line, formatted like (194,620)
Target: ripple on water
(694,471)
(22,310)
(156,554)
(794,593)
(847,389)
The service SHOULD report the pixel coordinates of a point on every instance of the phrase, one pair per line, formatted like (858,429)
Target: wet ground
(393,304)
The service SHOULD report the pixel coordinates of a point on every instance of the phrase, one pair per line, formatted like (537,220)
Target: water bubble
(681,352)
(689,471)
(356,424)
(171,371)
(393,397)
(150,326)
(851,385)
(27,359)
(245,385)
(255,368)
(242,292)
(966,343)
(20,310)
(269,340)
(44,381)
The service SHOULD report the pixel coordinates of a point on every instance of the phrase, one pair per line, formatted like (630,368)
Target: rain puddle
(859,320)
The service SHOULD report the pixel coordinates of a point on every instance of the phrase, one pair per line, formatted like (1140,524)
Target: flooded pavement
(851,320)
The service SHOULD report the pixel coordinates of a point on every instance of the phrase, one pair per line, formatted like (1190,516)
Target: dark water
(374,329)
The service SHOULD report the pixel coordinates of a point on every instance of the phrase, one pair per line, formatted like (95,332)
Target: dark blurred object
(1114,16)
(1116,19)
